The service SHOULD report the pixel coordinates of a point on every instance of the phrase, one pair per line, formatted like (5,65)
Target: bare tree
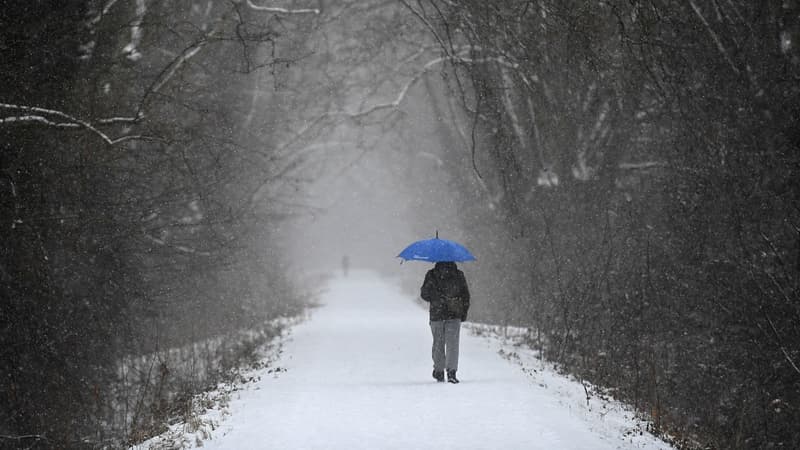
(131,225)
(651,194)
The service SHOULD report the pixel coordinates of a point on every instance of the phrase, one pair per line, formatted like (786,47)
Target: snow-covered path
(358,377)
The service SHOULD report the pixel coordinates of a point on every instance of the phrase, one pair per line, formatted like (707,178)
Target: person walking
(445,289)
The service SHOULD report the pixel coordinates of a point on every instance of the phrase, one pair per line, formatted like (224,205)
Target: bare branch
(473,140)
(425,21)
(402,94)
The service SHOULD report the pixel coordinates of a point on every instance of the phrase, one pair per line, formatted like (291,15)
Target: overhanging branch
(46,117)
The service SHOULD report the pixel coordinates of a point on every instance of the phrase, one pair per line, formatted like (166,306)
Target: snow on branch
(452,52)
(714,37)
(400,96)
(97,18)
(21,437)
(282,10)
(46,117)
(642,165)
(111,120)
(132,49)
(404,90)
(180,248)
(71,121)
(780,344)
(176,64)
(40,119)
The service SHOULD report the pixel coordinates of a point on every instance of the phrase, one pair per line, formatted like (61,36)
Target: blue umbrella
(436,250)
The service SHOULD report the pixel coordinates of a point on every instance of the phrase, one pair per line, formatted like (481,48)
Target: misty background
(177,179)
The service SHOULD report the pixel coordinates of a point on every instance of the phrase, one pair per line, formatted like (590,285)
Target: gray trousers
(445,344)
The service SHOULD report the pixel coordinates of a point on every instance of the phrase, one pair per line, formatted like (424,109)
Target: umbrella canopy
(436,250)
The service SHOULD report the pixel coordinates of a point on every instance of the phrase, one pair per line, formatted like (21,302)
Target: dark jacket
(445,288)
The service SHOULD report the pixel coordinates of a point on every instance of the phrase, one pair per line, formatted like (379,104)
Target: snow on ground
(612,419)
(357,375)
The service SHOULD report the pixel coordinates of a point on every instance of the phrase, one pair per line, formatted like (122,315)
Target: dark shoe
(451,377)
(438,375)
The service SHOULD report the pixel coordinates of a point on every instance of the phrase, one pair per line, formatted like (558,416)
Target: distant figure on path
(445,289)
(345,265)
